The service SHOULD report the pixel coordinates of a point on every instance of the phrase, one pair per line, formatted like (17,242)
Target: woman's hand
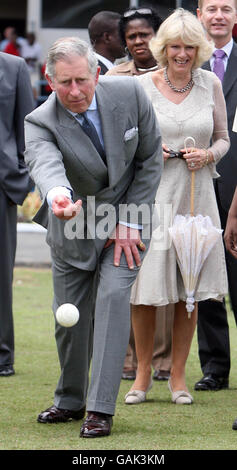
(196,158)
(165,152)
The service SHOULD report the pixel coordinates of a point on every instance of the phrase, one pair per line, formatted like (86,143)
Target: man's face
(73,83)
(218,18)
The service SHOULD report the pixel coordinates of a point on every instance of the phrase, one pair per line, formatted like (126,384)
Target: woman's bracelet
(207,158)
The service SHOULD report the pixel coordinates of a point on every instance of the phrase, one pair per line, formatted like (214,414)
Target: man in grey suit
(96,244)
(218,18)
(16,100)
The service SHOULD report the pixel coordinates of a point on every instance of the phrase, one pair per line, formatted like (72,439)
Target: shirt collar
(228,48)
(92,107)
(105,61)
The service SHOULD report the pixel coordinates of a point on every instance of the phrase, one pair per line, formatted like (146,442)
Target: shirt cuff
(136,226)
(58,191)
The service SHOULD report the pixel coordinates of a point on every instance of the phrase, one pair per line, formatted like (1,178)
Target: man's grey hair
(66,47)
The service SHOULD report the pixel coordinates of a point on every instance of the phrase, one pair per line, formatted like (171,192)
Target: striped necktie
(89,128)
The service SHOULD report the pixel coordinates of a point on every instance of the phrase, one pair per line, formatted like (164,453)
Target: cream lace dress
(201,115)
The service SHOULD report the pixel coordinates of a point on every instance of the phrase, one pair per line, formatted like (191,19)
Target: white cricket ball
(67,315)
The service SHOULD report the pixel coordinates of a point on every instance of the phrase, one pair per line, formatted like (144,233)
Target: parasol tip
(190,305)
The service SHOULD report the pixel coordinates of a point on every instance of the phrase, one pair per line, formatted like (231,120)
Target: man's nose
(75,90)
(219,13)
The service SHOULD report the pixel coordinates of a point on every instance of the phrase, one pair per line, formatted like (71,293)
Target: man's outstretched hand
(64,208)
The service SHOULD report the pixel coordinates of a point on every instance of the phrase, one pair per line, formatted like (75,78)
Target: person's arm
(59,199)
(220,138)
(44,158)
(230,235)
(24,104)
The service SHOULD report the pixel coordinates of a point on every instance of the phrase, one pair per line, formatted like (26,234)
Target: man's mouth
(218,25)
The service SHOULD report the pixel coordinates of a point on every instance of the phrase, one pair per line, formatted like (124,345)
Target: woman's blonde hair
(185,26)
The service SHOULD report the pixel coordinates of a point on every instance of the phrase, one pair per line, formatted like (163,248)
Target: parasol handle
(192,141)
(192,193)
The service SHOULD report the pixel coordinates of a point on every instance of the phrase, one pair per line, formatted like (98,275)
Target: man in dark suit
(105,39)
(231,237)
(16,100)
(119,172)
(218,18)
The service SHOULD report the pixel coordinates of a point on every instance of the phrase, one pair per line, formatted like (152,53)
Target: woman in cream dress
(188,102)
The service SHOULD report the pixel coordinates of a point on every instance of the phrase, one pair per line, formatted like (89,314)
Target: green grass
(155,425)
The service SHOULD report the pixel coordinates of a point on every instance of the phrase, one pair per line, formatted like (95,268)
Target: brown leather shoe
(96,425)
(59,415)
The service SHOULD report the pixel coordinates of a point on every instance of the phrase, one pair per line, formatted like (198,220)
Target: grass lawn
(154,425)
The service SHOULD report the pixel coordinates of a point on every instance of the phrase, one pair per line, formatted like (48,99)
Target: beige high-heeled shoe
(134,397)
(180,397)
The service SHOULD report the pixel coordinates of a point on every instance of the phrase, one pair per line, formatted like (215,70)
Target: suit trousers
(8,220)
(103,299)
(213,328)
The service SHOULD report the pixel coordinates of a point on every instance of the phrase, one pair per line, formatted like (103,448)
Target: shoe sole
(55,421)
(210,389)
(52,421)
(93,436)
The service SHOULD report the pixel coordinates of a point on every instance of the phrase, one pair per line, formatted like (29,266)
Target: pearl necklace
(178,90)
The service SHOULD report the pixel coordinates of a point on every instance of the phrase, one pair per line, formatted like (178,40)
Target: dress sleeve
(220,137)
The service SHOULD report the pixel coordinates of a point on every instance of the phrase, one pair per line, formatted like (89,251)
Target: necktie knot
(219,54)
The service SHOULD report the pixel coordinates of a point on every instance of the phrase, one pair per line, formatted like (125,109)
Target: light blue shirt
(227,49)
(93,114)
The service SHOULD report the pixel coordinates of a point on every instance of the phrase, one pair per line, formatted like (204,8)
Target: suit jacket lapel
(230,74)
(112,118)
(80,144)
(206,66)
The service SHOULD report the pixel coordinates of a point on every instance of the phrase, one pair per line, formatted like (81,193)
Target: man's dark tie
(219,68)
(89,128)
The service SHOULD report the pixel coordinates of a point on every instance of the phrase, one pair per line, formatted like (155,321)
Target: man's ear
(106,37)
(199,14)
(50,82)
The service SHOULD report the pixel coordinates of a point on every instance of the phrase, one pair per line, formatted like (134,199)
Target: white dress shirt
(105,61)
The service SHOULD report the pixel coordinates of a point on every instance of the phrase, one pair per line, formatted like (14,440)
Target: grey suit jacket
(60,154)
(227,167)
(16,100)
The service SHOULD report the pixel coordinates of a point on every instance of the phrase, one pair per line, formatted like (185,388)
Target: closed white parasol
(193,238)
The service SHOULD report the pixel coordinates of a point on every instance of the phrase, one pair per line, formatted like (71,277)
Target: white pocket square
(130,133)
